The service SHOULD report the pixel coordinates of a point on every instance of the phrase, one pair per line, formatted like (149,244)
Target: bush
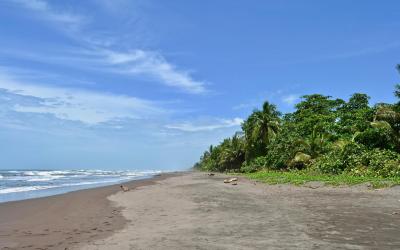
(255,165)
(384,163)
(376,138)
(330,163)
(300,161)
(283,149)
(337,161)
(361,161)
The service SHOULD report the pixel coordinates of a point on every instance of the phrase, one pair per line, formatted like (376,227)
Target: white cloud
(134,62)
(149,64)
(85,106)
(153,64)
(191,127)
(290,99)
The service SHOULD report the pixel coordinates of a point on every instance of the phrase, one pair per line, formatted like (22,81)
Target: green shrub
(283,149)
(384,163)
(300,161)
(376,138)
(360,161)
(351,155)
(330,163)
(255,165)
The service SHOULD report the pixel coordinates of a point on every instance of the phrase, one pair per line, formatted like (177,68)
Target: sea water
(26,184)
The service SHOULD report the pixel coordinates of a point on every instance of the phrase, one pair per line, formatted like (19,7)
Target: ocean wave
(24,189)
(37,188)
(19,181)
(84,183)
(44,179)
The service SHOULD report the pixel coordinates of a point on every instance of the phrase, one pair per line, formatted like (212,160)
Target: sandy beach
(197,211)
(63,221)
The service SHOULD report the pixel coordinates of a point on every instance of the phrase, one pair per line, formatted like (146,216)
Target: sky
(150,84)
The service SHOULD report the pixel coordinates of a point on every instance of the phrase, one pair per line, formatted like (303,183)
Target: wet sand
(63,221)
(196,211)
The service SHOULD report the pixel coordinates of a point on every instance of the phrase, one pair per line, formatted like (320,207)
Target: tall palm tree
(232,154)
(267,123)
(260,129)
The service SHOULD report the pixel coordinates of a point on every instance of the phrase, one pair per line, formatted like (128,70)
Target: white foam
(25,178)
(45,178)
(23,189)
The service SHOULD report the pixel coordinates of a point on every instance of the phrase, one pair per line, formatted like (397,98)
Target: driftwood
(231,180)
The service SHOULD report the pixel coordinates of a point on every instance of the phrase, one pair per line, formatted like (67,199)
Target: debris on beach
(125,189)
(231,180)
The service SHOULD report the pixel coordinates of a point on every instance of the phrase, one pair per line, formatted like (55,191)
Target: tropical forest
(324,137)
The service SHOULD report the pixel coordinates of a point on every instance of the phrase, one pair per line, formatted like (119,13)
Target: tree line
(323,134)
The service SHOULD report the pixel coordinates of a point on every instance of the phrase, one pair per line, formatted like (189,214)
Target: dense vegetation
(323,134)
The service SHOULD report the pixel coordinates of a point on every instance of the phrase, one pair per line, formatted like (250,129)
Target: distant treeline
(323,134)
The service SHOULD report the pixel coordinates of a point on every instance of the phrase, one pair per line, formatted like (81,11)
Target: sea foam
(23,184)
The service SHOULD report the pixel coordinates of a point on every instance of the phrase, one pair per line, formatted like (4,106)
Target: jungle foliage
(323,134)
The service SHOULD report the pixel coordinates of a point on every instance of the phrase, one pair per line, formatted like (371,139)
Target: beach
(63,221)
(192,210)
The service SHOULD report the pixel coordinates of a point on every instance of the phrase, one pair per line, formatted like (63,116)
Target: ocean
(27,184)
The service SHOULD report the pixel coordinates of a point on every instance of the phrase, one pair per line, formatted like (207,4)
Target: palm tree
(315,144)
(232,154)
(260,129)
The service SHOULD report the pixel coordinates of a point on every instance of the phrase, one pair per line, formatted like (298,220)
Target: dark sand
(63,221)
(196,211)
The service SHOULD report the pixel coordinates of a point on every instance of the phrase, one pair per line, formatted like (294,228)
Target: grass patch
(301,177)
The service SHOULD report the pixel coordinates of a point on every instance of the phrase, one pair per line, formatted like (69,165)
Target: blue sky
(149,84)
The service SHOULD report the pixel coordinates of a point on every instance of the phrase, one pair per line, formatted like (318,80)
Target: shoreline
(30,184)
(80,189)
(63,221)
